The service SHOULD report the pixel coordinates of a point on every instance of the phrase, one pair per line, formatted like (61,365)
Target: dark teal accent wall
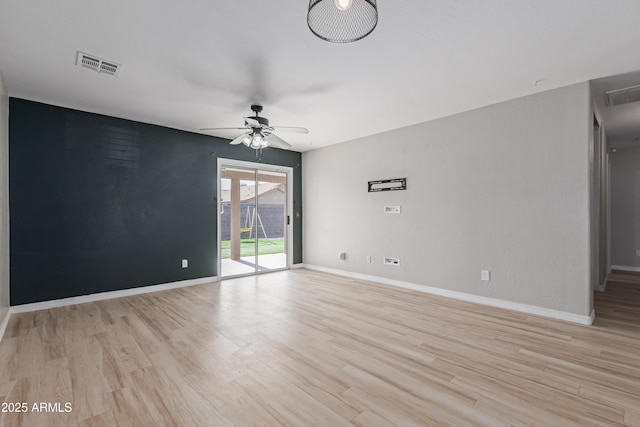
(100,204)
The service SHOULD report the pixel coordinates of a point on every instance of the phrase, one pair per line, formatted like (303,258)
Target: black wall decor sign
(387,185)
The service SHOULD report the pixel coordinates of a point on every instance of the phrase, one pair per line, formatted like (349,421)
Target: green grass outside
(248,247)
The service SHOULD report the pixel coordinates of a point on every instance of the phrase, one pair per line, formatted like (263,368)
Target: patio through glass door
(253,220)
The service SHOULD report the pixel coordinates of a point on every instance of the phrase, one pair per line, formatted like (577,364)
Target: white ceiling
(195,63)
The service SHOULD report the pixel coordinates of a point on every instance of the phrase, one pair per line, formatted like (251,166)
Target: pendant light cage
(334,25)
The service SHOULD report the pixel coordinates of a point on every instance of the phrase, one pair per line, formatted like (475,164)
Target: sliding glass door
(253,218)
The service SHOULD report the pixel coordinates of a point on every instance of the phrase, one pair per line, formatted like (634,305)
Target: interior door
(253,219)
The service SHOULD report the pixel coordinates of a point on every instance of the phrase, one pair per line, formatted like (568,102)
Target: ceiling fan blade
(240,139)
(277,141)
(252,122)
(222,129)
(291,129)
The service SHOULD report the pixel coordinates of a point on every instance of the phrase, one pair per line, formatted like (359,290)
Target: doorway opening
(254,231)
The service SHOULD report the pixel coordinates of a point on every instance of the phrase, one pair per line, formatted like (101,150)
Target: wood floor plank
(106,419)
(391,410)
(632,417)
(369,419)
(307,348)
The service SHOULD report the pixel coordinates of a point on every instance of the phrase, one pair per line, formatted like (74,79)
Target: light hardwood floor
(305,348)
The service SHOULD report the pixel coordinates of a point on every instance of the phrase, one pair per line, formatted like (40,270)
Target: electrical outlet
(185,263)
(485,275)
(637,252)
(391,261)
(369,259)
(342,256)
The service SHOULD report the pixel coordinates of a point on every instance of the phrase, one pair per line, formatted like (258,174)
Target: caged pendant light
(342,21)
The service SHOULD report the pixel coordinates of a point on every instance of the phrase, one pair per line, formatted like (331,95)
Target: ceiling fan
(259,134)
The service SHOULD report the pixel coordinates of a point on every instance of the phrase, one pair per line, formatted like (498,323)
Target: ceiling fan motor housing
(262,120)
(258,109)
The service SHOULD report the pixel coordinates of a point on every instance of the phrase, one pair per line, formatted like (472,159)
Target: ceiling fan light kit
(342,21)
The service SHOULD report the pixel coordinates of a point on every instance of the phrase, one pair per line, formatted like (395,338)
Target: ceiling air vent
(623,96)
(98,64)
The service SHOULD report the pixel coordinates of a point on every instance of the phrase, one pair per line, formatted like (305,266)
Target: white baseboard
(493,302)
(23,308)
(625,268)
(5,322)
(603,286)
(296,266)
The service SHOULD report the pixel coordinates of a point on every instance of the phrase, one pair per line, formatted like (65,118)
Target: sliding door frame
(289,212)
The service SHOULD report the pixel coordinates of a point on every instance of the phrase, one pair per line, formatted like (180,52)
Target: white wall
(599,170)
(4,202)
(625,207)
(505,188)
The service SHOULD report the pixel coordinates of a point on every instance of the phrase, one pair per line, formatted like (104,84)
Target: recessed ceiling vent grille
(623,96)
(98,64)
